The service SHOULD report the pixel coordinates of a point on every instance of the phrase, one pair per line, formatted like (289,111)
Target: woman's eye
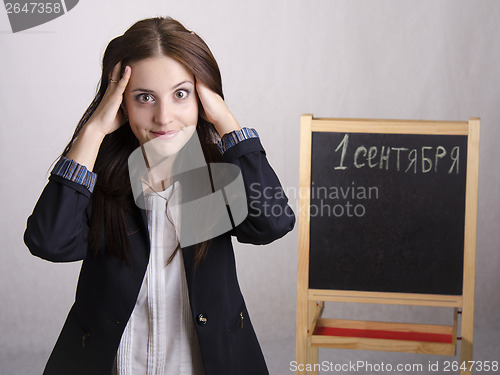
(144,98)
(181,94)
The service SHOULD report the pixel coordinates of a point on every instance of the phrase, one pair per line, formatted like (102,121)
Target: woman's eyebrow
(173,87)
(181,83)
(143,90)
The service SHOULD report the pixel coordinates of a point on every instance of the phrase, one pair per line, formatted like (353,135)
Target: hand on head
(215,110)
(109,116)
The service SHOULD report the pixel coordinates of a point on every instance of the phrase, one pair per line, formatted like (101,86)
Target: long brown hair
(111,197)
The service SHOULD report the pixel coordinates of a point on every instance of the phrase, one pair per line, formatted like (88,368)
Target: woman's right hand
(106,119)
(108,116)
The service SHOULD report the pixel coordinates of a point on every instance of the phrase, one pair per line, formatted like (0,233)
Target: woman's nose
(164,113)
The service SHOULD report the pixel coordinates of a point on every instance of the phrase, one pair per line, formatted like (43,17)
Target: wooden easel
(314,332)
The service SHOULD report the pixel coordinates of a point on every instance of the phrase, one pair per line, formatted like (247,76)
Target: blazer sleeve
(269,215)
(57,229)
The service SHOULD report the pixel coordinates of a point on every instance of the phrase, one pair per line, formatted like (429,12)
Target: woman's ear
(123,107)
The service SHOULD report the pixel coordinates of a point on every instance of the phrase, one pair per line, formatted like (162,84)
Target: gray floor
(280,354)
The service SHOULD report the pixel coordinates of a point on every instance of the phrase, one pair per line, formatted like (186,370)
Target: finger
(201,92)
(115,73)
(122,83)
(201,88)
(116,90)
(205,95)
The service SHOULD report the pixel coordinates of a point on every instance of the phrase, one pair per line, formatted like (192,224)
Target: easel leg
(301,354)
(301,340)
(466,349)
(314,311)
(466,346)
(312,358)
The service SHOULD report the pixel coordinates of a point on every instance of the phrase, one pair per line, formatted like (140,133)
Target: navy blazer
(107,289)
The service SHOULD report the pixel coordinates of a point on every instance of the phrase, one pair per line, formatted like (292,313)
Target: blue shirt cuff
(236,136)
(73,171)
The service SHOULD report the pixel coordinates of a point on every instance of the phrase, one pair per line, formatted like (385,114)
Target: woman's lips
(166,135)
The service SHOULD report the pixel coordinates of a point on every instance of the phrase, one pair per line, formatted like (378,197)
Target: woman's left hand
(216,110)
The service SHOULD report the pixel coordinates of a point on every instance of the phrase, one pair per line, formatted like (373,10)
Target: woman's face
(161,103)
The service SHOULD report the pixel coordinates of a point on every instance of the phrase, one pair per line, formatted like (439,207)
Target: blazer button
(202,319)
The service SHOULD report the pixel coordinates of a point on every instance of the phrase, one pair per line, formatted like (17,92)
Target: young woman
(144,304)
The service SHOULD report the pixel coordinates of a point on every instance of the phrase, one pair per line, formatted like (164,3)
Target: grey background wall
(431,60)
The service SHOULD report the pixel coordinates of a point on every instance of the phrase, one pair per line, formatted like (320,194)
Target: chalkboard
(387,212)
(387,215)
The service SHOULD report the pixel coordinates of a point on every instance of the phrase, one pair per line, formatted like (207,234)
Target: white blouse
(160,337)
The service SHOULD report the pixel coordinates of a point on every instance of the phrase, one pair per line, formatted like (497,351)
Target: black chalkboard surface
(387,212)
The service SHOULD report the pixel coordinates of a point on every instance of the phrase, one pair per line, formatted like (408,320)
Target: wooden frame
(310,302)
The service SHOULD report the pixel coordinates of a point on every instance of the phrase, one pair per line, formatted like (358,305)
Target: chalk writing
(424,159)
